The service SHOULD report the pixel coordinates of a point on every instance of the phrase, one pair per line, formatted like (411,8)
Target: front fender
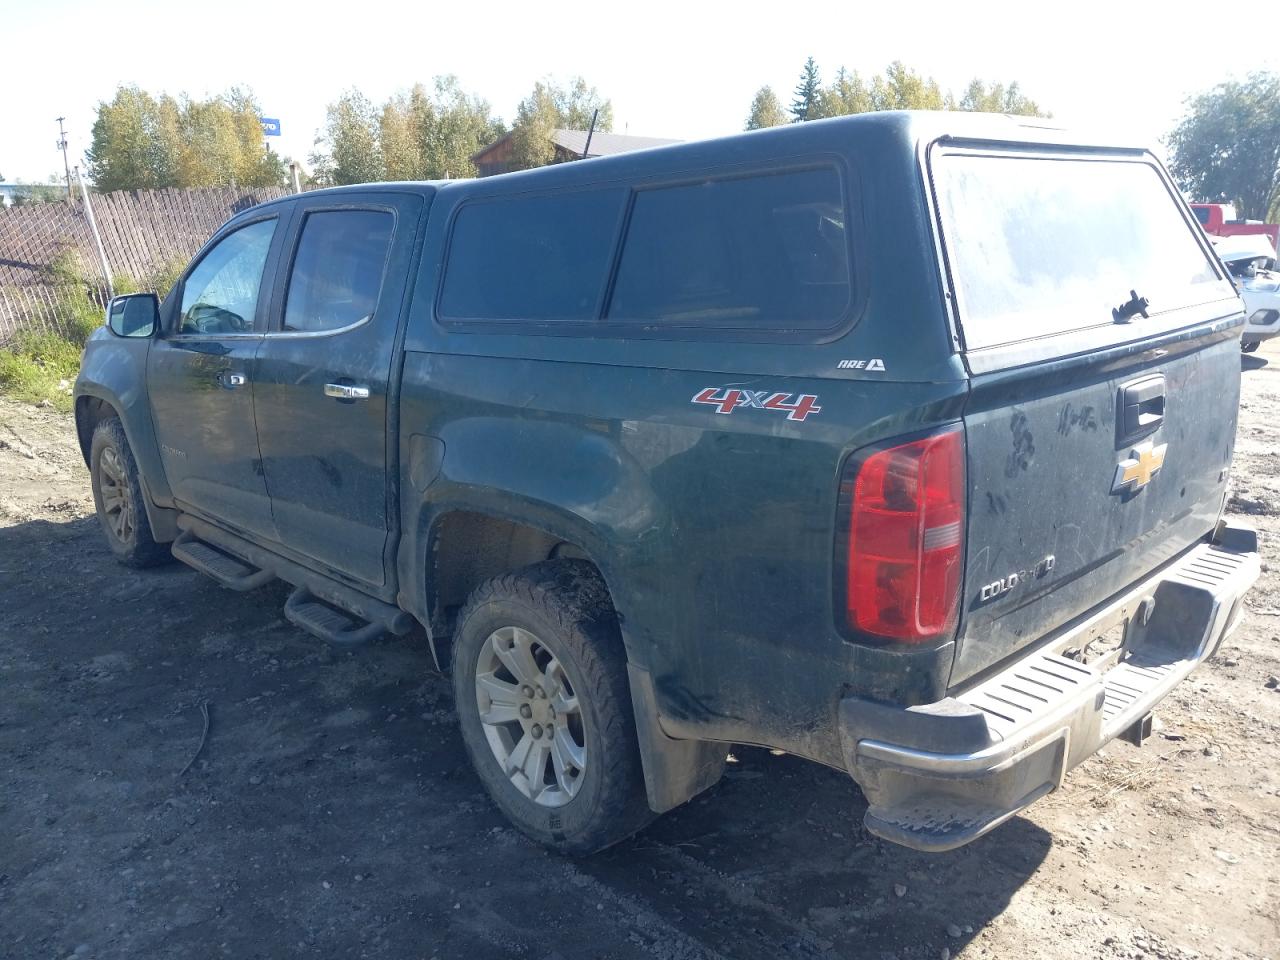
(114,370)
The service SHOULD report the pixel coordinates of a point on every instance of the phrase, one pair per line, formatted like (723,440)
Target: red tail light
(906,539)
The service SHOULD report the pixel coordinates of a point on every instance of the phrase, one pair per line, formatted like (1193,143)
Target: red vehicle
(1219,220)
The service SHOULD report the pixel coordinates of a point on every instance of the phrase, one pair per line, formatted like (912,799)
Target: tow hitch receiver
(1138,732)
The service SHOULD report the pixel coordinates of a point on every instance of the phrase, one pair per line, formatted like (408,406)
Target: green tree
(349,149)
(457,126)
(1228,145)
(999,98)
(144,142)
(901,88)
(898,88)
(846,95)
(766,110)
(807,92)
(548,108)
(419,134)
(132,147)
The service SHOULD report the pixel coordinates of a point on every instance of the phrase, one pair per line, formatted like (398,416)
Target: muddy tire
(540,681)
(117,494)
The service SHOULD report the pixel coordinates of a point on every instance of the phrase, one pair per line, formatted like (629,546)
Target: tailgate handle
(1142,407)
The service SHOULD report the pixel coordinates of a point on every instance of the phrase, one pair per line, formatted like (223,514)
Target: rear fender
(576,484)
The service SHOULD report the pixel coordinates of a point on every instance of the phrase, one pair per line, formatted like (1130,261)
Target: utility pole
(62,145)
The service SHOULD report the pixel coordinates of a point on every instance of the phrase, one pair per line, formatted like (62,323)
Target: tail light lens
(905,547)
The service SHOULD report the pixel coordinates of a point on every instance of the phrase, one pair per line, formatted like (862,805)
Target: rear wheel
(117,495)
(540,679)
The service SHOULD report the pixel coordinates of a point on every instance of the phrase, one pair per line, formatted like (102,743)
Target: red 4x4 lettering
(725,403)
(726,400)
(806,403)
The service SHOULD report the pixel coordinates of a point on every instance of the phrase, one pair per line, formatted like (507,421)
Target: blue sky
(684,70)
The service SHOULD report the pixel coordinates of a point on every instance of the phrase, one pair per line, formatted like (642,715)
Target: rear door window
(337,272)
(762,252)
(1043,245)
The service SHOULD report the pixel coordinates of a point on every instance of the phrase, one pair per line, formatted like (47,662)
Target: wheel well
(90,411)
(469,548)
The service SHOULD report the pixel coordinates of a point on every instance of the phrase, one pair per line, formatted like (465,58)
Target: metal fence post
(97,237)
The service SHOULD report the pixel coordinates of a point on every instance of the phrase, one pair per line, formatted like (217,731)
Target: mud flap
(675,771)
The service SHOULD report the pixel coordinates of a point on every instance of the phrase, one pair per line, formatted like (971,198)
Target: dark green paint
(715,533)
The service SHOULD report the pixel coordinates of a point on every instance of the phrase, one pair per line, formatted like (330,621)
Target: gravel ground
(332,813)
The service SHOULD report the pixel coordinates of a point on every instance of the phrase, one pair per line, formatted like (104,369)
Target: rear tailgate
(1098,437)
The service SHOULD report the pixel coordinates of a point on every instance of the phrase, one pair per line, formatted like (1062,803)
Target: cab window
(221,294)
(337,272)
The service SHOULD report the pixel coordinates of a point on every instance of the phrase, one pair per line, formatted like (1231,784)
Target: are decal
(728,399)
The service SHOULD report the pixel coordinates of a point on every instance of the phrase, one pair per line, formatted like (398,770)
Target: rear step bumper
(940,775)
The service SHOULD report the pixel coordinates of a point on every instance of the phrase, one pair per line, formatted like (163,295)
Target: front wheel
(117,495)
(540,679)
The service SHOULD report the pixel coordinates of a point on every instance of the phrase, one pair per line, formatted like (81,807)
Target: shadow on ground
(331,811)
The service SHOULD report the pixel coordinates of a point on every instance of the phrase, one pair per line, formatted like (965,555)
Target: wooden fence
(47,253)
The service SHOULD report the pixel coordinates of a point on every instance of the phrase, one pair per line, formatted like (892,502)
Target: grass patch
(36,366)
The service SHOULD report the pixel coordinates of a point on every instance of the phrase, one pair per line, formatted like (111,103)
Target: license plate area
(1102,650)
(1104,641)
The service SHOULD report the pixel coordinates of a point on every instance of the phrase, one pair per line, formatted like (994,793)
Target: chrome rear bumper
(940,775)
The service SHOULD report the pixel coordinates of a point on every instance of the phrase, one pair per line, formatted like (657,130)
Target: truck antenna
(590,130)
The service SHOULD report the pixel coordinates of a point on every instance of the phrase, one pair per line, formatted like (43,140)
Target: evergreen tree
(807,93)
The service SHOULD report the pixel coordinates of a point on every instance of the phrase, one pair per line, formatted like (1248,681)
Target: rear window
(1040,246)
(531,258)
(763,252)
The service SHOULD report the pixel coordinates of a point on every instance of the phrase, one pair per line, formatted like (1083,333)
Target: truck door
(199,378)
(324,374)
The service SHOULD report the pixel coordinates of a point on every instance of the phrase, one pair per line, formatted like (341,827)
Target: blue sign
(270,126)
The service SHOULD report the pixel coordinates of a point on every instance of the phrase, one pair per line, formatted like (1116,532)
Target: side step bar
(230,571)
(323,607)
(320,619)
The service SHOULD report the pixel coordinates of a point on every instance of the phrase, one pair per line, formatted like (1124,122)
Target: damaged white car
(1251,260)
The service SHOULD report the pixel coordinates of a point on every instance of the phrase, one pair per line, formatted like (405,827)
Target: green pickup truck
(898,442)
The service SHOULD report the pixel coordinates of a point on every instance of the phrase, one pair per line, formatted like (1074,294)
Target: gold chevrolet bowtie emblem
(1143,463)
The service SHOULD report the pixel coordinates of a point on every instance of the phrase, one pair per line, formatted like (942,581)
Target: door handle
(232,380)
(346,391)
(1142,407)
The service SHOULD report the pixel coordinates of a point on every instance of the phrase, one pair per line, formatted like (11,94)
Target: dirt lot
(332,813)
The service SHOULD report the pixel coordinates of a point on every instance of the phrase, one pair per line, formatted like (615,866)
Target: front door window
(220,295)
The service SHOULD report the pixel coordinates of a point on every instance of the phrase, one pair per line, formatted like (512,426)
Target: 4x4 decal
(726,400)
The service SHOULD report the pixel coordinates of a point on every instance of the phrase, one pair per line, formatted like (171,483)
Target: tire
(1250,347)
(559,614)
(117,494)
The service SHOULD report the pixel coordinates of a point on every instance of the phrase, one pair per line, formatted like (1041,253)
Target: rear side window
(1040,246)
(764,252)
(337,272)
(531,258)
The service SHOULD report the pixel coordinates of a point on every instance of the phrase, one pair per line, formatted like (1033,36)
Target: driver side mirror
(134,315)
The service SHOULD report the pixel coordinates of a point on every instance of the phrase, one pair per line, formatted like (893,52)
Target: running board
(227,569)
(320,619)
(319,605)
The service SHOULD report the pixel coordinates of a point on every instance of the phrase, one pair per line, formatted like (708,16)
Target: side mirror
(134,315)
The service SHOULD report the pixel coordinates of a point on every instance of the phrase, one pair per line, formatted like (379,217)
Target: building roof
(602,144)
(605,144)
